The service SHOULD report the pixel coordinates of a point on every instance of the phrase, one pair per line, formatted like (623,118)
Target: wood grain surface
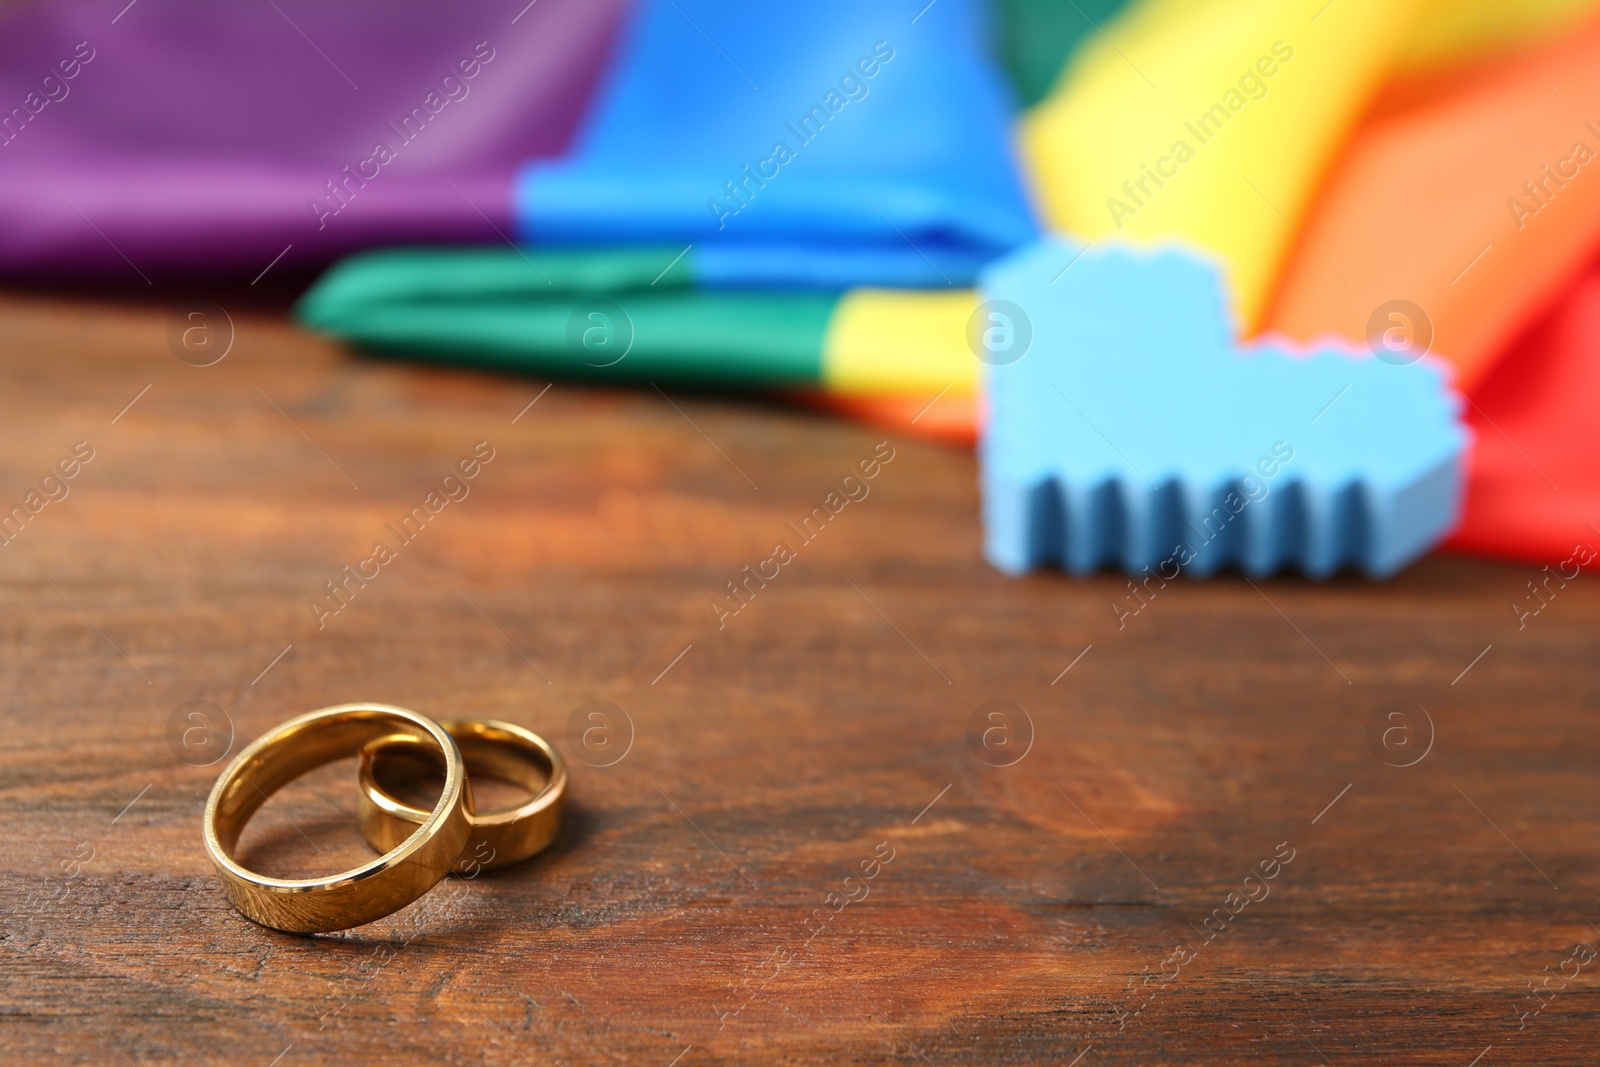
(1193,846)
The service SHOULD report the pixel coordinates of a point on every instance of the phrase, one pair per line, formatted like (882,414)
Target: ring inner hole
(310,828)
(502,777)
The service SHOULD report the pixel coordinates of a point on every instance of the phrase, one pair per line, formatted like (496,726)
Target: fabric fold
(832,144)
(1478,208)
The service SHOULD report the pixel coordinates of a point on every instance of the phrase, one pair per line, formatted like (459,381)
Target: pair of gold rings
(419,846)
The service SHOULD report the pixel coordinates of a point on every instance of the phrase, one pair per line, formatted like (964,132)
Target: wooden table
(1097,896)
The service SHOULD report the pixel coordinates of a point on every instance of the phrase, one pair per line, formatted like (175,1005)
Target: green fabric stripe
(489,308)
(404,275)
(1037,37)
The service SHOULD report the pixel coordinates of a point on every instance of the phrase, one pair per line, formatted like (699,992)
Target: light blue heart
(1136,433)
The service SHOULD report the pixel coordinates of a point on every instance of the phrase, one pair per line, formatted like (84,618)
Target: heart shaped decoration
(1128,428)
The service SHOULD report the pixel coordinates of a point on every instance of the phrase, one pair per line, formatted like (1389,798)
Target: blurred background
(802,204)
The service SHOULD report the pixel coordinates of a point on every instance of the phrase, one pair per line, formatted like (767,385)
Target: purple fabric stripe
(185,134)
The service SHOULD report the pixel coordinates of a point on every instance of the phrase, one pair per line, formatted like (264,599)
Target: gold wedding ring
(411,864)
(491,749)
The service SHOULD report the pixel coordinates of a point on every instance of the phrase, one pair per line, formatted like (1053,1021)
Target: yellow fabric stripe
(887,341)
(1174,129)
